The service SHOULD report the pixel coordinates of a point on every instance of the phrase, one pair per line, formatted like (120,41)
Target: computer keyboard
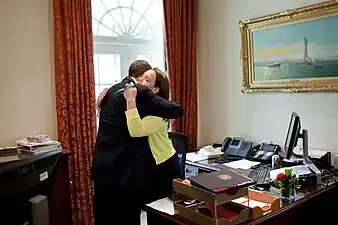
(261,176)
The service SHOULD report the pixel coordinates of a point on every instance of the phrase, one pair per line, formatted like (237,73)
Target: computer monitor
(294,132)
(292,135)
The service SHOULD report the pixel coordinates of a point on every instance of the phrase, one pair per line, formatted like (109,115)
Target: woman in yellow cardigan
(156,128)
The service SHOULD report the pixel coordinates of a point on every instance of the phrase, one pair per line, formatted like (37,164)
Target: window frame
(128,47)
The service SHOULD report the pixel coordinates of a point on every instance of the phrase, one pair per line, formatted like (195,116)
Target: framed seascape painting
(292,51)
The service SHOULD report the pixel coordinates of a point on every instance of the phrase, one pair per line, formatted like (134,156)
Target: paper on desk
(250,202)
(241,164)
(196,157)
(164,205)
(317,154)
(298,170)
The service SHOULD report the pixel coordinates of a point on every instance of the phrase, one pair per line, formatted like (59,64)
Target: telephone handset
(236,147)
(226,144)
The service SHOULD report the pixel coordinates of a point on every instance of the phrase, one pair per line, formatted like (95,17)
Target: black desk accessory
(236,146)
(263,152)
(261,176)
(227,158)
(23,179)
(216,145)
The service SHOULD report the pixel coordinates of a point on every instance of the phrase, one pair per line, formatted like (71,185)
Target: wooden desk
(315,205)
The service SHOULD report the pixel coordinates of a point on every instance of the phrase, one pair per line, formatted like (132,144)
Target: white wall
(224,110)
(27,96)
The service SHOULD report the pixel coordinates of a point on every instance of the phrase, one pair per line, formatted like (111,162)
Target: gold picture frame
(284,52)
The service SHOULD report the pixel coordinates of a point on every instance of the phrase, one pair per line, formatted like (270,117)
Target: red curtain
(180,27)
(75,99)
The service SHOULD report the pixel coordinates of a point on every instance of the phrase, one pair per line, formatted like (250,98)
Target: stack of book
(37,145)
(9,151)
(8,154)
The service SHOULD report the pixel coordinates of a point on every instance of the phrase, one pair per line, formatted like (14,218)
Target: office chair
(181,145)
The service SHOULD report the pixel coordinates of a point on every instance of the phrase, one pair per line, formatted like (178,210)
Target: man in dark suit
(121,164)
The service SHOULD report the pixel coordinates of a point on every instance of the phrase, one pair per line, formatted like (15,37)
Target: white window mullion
(137,33)
(124,64)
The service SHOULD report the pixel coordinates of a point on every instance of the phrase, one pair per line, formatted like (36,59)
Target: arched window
(125,30)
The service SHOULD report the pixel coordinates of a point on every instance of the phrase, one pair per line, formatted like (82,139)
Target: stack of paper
(196,157)
(251,203)
(164,205)
(10,151)
(317,154)
(241,164)
(34,148)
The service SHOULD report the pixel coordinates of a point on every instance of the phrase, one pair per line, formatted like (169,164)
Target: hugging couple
(134,161)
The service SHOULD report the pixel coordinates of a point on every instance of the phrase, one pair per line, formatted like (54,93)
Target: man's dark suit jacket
(120,160)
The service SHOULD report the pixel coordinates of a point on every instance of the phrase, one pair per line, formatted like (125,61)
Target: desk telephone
(240,148)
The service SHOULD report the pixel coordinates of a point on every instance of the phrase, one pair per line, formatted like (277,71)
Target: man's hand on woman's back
(101,96)
(157,106)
